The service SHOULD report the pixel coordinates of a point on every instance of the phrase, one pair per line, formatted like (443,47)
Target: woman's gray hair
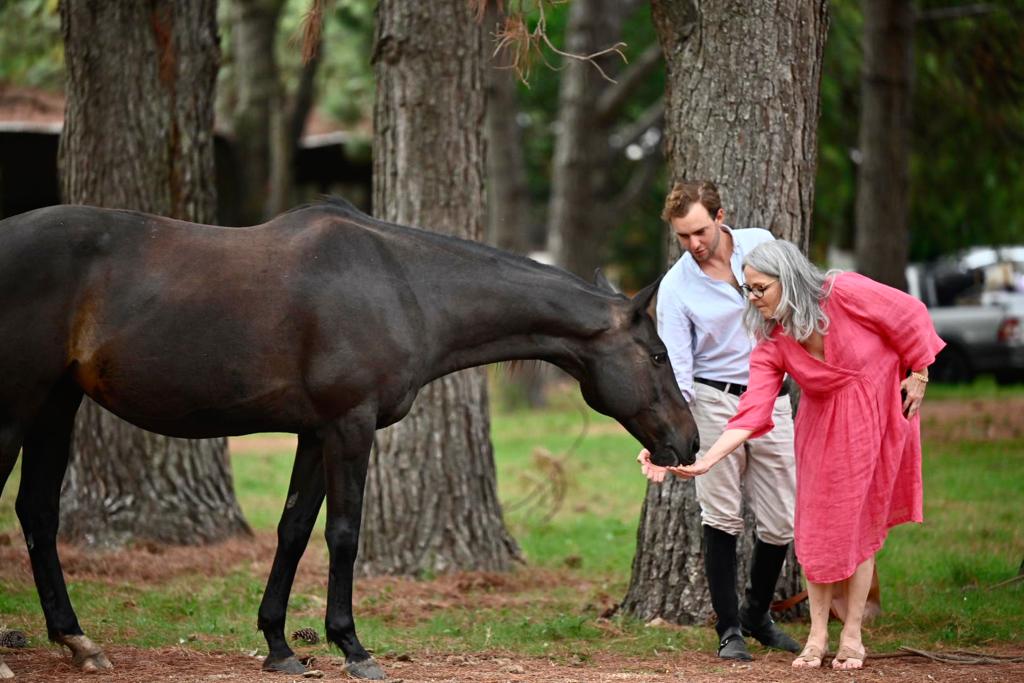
(802,292)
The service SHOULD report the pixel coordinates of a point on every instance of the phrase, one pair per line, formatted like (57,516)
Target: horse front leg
(305,496)
(346,458)
(46,450)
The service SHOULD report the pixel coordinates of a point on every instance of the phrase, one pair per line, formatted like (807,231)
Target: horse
(324,322)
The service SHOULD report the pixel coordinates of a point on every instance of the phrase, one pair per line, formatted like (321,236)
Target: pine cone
(306,635)
(13,639)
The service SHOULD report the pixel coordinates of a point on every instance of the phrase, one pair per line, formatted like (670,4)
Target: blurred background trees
(596,198)
(576,166)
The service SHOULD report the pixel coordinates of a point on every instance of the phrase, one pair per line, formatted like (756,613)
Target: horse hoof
(5,671)
(365,668)
(86,655)
(94,663)
(288,665)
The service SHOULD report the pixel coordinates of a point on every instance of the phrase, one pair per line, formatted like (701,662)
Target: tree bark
(883,185)
(431,498)
(138,134)
(741,109)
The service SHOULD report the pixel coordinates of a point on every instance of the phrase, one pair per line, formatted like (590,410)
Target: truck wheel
(952,367)
(1013,376)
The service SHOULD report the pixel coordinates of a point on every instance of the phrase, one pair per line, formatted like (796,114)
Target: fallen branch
(953,657)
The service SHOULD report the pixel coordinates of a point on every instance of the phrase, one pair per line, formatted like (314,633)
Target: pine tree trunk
(138,134)
(883,176)
(509,210)
(431,499)
(508,199)
(578,227)
(742,109)
(257,116)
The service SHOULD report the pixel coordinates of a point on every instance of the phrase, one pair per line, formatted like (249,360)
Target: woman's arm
(729,441)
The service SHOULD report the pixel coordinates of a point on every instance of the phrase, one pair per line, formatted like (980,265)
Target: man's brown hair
(686,193)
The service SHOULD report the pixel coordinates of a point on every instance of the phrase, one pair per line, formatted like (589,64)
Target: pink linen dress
(858,458)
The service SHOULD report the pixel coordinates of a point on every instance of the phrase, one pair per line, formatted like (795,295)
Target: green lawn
(936,577)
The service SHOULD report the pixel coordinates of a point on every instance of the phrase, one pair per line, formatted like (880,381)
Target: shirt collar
(691,263)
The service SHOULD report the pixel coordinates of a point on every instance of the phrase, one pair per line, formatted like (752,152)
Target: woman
(849,343)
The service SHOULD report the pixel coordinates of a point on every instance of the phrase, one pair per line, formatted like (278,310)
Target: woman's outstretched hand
(657,474)
(698,468)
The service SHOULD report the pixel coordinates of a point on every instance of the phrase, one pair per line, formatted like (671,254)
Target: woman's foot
(849,657)
(811,656)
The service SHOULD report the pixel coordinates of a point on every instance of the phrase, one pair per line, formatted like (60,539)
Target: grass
(935,577)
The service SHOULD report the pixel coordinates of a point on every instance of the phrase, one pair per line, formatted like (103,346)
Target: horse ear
(643,298)
(602,282)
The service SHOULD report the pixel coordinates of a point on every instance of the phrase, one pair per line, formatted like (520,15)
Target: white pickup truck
(984,328)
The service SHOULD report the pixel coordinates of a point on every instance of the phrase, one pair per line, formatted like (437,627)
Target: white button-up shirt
(700,319)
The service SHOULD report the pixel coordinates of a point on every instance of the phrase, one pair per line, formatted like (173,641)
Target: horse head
(628,376)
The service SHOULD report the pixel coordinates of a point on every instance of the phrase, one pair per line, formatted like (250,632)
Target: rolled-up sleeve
(899,319)
(758,401)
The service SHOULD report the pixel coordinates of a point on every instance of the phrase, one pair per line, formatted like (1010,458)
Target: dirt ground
(188,666)
(412,600)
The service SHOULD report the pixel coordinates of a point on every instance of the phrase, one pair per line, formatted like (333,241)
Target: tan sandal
(809,654)
(846,653)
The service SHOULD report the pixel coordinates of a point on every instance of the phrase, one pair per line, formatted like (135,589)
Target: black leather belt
(734,389)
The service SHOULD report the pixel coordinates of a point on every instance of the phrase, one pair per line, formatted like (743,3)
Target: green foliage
(31,51)
(637,242)
(345,81)
(966,175)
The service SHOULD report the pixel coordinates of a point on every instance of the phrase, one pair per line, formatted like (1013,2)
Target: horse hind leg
(45,458)
(346,460)
(305,497)
(10,445)
(11,435)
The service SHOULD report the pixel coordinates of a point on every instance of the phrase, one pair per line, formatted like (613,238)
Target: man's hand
(649,469)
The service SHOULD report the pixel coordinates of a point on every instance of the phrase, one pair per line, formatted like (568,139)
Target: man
(700,311)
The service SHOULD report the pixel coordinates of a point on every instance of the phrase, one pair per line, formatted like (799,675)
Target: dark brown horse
(323,322)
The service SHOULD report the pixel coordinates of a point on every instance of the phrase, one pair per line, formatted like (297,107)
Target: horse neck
(517,310)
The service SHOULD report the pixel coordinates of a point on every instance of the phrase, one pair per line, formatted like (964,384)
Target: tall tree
(508,200)
(431,498)
(268,118)
(509,210)
(258,111)
(741,109)
(883,175)
(138,134)
(584,204)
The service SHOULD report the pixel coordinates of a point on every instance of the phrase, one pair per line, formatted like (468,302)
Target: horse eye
(659,358)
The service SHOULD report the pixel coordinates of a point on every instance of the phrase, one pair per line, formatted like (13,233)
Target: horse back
(197,330)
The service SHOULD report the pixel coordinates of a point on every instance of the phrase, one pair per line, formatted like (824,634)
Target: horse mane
(346,209)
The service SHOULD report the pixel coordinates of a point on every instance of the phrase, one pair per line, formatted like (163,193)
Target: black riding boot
(755,618)
(720,570)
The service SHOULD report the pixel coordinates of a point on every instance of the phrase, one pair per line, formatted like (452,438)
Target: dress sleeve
(676,330)
(757,403)
(901,320)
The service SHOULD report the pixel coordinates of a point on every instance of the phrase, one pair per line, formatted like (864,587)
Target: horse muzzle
(669,456)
